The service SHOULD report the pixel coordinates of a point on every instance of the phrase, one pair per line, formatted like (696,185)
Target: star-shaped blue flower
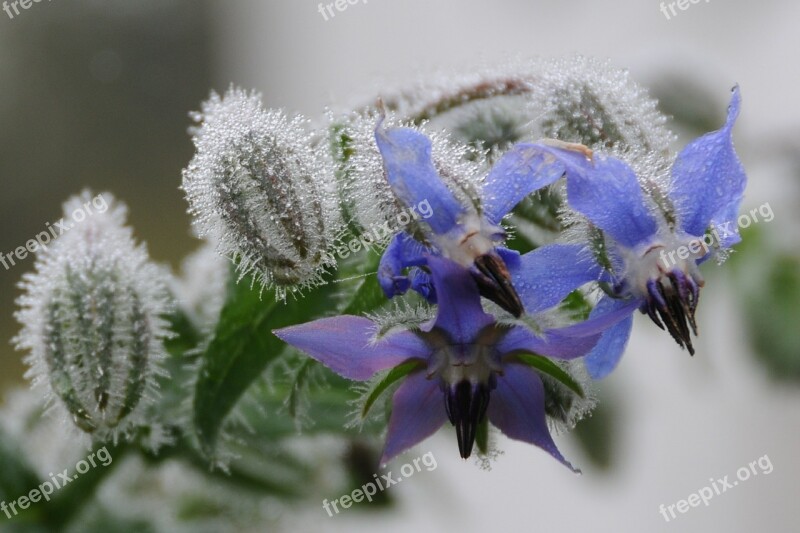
(652,253)
(469,366)
(469,235)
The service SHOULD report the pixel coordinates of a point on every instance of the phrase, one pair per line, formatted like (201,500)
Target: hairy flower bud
(591,102)
(91,316)
(258,188)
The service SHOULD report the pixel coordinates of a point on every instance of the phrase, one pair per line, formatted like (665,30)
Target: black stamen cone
(671,305)
(466,405)
(494,282)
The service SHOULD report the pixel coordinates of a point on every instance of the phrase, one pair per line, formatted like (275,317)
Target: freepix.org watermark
(375,235)
(717,488)
(368,490)
(12,8)
(327,10)
(57,481)
(97,204)
(669,7)
(719,232)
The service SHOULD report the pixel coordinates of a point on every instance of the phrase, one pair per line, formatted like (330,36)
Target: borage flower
(468,234)
(466,366)
(652,246)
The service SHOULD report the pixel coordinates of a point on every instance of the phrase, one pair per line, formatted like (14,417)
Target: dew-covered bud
(591,102)
(259,188)
(91,316)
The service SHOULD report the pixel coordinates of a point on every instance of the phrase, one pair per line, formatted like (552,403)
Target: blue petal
(572,341)
(511,258)
(726,226)
(516,407)
(345,345)
(459,310)
(417,412)
(606,355)
(548,274)
(522,170)
(403,252)
(552,343)
(607,192)
(422,283)
(413,178)
(708,179)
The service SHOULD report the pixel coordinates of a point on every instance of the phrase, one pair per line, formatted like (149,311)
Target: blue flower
(467,234)
(652,243)
(469,366)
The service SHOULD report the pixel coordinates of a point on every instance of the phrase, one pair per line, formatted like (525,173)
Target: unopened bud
(258,188)
(91,316)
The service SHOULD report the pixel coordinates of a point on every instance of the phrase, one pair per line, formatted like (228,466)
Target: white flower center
(658,258)
(472,238)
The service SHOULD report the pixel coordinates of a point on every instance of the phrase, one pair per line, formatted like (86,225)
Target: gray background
(96,94)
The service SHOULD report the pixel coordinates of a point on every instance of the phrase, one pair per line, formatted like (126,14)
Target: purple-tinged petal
(516,408)
(572,341)
(552,344)
(417,412)
(548,274)
(403,252)
(605,356)
(522,170)
(708,179)
(345,345)
(607,192)
(413,178)
(459,311)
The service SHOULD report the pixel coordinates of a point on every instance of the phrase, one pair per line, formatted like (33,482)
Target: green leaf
(398,372)
(17,478)
(368,297)
(545,365)
(269,420)
(242,347)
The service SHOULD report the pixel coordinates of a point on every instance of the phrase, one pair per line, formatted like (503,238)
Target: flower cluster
(472,367)
(496,326)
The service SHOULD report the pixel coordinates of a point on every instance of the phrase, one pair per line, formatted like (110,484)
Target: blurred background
(97,93)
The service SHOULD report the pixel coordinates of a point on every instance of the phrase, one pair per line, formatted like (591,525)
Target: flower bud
(91,316)
(258,188)
(587,101)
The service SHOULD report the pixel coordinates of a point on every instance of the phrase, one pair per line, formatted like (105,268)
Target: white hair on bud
(91,316)
(259,188)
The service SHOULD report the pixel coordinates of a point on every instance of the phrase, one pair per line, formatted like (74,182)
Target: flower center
(472,245)
(471,238)
(467,374)
(668,279)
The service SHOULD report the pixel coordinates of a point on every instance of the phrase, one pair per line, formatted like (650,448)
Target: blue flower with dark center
(467,366)
(466,234)
(652,243)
